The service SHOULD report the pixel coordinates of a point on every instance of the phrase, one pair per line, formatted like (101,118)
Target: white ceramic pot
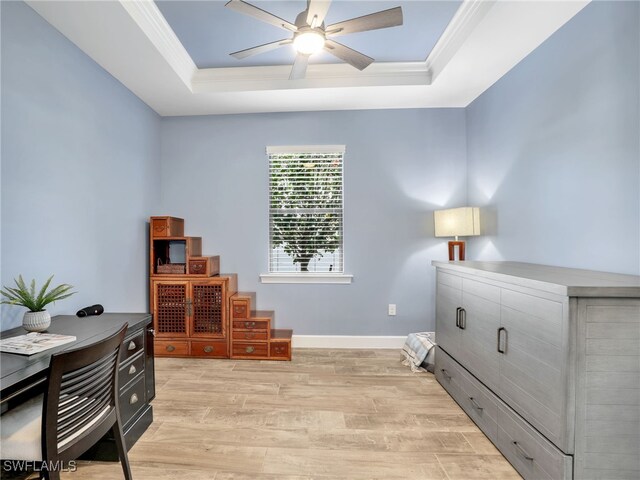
(36,321)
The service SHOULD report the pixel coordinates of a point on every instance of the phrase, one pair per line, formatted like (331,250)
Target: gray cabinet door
(480,322)
(448,299)
(534,365)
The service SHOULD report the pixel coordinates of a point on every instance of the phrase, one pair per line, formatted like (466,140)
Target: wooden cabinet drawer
(478,402)
(130,370)
(250,349)
(250,335)
(279,350)
(131,400)
(251,324)
(205,266)
(209,349)
(132,345)
(240,308)
(167,227)
(170,347)
(533,456)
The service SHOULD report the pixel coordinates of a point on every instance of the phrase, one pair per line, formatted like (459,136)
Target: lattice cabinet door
(171,308)
(209,312)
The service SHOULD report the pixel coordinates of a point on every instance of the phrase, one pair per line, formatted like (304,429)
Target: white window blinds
(306,209)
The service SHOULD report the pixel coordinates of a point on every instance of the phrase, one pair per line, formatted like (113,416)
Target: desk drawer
(131,400)
(130,370)
(132,345)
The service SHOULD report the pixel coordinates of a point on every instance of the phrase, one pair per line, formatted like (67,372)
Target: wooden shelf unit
(198,312)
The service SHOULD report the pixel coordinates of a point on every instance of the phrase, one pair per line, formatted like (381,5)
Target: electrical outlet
(392,309)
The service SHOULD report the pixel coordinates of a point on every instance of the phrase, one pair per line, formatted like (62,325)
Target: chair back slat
(81,397)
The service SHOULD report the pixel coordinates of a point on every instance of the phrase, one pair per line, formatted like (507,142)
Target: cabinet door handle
(249,349)
(458,316)
(500,330)
(522,451)
(189,307)
(446,375)
(475,404)
(132,369)
(132,345)
(208,349)
(133,399)
(463,319)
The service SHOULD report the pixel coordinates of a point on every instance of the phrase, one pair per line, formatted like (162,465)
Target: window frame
(305,277)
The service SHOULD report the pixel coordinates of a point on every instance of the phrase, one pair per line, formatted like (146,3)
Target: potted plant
(36,319)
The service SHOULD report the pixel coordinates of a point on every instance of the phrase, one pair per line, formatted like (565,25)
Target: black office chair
(79,406)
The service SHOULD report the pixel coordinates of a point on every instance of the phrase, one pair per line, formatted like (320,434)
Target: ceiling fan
(310,35)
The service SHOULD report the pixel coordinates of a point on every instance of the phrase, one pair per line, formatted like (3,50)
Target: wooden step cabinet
(197,312)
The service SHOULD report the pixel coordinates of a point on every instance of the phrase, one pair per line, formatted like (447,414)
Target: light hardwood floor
(327,415)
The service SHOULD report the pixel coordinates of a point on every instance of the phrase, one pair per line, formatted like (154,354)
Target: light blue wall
(79,170)
(399,166)
(554,148)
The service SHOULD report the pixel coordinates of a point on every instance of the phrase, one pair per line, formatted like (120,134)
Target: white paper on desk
(33,343)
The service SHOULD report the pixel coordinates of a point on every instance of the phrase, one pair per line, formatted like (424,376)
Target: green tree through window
(305,216)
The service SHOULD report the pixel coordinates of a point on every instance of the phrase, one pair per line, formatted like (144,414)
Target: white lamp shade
(457,222)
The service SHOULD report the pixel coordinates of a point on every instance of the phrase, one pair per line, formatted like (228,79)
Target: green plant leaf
(26,296)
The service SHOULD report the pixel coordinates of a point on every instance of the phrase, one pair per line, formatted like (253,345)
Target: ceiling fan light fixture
(308,43)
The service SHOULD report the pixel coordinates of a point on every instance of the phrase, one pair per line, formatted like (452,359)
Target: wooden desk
(24,376)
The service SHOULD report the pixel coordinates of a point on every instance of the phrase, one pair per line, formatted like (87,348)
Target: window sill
(330,278)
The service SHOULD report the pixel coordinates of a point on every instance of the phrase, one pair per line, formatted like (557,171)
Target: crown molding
(150,20)
(463,23)
(318,76)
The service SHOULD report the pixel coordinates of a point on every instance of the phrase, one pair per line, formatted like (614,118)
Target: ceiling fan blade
(260,49)
(299,68)
(374,21)
(317,9)
(352,57)
(262,15)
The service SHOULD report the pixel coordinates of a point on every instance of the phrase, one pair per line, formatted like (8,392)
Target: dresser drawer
(130,370)
(280,350)
(132,345)
(250,335)
(170,347)
(250,349)
(533,456)
(477,401)
(209,349)
(251,324)
(131,400)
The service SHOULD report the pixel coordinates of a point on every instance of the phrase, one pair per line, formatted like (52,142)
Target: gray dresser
(546,361)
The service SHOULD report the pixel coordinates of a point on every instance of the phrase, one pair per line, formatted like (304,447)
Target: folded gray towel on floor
(418,351)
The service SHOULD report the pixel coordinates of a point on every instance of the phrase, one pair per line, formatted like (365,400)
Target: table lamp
(457,222)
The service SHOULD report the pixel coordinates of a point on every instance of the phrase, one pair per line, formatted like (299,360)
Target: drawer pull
(132,345)
(170,348)
(152,331)
(159,228)
(249,349)
(475,404)
(134,399)
(446,375)
(249,335)
(208,349)
(196,267)
(500,330)
(132,369)
(522,451)
(279,349)
(250,324)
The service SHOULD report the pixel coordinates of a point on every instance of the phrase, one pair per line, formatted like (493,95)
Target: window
(306,210)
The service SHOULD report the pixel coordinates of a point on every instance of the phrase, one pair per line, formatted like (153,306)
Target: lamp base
(452,250)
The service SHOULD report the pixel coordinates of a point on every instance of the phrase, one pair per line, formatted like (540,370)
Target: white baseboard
(346,341)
